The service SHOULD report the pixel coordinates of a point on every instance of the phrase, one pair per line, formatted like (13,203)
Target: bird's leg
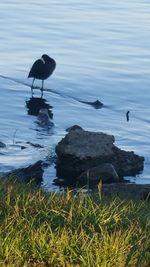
(32,86)
(42,85)
(31,91)
(32,83)
(42,88)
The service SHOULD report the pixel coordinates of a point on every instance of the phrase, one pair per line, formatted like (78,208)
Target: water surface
(102,52)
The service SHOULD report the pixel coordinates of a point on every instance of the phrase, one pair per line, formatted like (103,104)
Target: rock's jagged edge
(32,173)
(80,151)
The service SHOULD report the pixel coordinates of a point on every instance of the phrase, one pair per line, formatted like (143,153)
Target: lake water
(102,50)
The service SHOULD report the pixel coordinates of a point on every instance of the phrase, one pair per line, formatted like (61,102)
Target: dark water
(102,50)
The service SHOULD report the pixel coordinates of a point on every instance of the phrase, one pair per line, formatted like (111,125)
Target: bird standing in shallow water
(42,69)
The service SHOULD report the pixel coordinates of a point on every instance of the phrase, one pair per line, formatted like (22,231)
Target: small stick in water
(127,115)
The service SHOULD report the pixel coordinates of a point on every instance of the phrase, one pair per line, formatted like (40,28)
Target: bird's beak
(42,59)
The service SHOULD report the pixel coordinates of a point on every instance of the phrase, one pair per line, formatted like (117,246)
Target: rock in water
(2,145)
(32,173)
(104,172)
(81,150)
(44,119)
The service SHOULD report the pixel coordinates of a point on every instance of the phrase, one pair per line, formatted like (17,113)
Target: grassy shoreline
(50,229)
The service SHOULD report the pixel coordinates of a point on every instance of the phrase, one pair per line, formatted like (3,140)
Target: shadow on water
(97,104)
(34,104)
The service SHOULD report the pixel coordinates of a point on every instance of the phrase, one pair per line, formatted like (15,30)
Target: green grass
(50,229)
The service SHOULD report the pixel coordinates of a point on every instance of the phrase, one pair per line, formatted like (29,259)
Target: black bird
(42,69)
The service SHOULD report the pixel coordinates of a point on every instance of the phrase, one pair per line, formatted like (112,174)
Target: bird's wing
(36,69)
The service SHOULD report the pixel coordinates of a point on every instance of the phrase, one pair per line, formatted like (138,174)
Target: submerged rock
(44,118)
(34,144)
(96,104)
(31,173)
(82,150)
(2,145)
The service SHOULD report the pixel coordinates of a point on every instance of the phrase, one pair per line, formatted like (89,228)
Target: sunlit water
(102,50)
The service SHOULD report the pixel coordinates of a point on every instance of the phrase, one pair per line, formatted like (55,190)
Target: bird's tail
(30,75)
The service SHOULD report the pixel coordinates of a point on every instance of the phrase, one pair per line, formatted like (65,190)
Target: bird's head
(45,58)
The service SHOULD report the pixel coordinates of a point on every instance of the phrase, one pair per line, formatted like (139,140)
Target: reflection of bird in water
(43,118)
(42,69)
(34,104)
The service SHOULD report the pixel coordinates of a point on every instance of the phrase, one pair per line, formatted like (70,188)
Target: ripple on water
(102,51)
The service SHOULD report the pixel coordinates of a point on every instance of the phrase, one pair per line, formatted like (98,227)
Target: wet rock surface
(32,173)
(104,172)
(127,190)
(127,163)
(81,150)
